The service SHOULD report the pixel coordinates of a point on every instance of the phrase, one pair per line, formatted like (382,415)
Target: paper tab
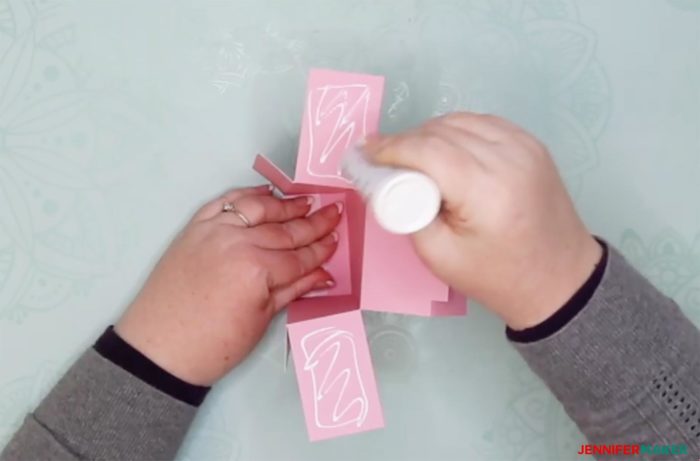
(336,380)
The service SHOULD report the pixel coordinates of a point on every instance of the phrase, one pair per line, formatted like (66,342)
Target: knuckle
(300,262)
(374,146)
(320,253)
(254,210)
(326,252)
(291,207)
(512,138)
(402,140)
(462,118)
(317,255)
(287,234)
(315,221)
(434,123)
(490,118)
(457,116)
(431,142)
(404,143)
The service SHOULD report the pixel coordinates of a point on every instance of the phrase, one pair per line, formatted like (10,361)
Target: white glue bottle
(403,201)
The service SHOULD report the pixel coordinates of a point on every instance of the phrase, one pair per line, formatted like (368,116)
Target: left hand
(212,295)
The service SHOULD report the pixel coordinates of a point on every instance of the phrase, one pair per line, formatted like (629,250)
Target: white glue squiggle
(332,343)
(347,117)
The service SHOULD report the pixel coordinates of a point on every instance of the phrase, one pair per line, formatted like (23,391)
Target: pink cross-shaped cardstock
(373,269)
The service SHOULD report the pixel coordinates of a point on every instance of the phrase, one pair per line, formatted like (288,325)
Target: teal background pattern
(118,118)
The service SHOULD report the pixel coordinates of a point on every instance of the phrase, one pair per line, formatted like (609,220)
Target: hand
(508,235)
(212,295)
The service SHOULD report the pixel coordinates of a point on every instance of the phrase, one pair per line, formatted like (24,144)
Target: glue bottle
(403,201)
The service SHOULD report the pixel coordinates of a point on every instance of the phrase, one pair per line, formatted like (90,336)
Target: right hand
(508,235)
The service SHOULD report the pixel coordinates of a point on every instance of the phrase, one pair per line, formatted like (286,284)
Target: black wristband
(113,348)
(568,311)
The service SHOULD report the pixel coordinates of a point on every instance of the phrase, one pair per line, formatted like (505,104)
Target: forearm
(99,410)
(627,366)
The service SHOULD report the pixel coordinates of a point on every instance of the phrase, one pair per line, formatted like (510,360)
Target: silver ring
(229,207)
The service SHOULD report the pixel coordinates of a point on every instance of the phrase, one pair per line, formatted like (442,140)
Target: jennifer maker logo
(633,450)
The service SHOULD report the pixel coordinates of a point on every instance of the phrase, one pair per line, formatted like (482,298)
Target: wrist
(160,347)
(566,274)
(114,348)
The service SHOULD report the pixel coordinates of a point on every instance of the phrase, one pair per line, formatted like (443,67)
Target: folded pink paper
(335,375)
(341,108)
(373,269)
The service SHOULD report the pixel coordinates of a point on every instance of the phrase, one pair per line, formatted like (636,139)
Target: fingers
(447,148)
(476,146)
(431,153)
(495,131)
(260,209)
(298,232)
(215,207)
(315,280)
(489,127)
(287,266)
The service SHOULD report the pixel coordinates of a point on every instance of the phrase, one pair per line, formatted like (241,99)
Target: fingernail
(340,207)
(330,238)
(303,200)
(324,284)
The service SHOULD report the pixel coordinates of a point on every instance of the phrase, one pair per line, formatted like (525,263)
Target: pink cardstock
(335,375)
(341,109)
(394,279)
(373,269)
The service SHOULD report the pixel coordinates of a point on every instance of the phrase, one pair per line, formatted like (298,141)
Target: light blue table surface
(118,118)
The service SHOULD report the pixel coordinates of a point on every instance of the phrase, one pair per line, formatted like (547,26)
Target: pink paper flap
(311,308)
(394,279)
(280,180)
(277,177)
(456,304)
(341,108)
(336,380)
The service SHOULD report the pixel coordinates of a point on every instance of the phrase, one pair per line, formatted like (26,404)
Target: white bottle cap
(406,202)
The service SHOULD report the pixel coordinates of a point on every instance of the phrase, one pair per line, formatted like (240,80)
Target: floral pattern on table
(96,126)
(21,395)
(671,262)
(60,150)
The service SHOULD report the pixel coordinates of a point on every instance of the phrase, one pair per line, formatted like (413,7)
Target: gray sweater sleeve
(98,411)
(627,367)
